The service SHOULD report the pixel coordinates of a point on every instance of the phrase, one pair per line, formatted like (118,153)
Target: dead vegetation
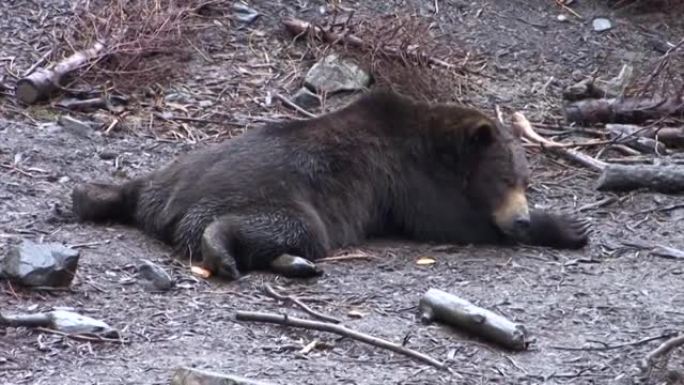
(401,51)
(146,40)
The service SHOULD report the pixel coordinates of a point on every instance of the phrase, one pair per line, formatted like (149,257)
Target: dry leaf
(425,261)
(355,314)
(309,347)
(200,271)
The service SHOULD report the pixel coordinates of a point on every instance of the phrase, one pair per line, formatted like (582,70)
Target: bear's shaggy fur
(385,165)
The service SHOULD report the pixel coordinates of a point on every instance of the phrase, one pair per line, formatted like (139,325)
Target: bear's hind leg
(234,243)
(557,231)
(101,202)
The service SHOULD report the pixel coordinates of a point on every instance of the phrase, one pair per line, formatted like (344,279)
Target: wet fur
(384,165)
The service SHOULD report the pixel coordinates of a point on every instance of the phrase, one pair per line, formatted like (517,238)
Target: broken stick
(437,305)
(42,82)
(528,132)
(337,329)
(665,348)
(664,178)
(271,291)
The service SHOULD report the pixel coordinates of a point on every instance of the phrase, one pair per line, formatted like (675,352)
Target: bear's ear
(481,133)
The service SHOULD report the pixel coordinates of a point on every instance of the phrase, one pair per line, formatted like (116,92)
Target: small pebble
(562,18)
(602,24)
(157,278)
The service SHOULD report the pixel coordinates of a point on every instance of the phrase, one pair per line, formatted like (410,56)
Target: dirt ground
(585,309)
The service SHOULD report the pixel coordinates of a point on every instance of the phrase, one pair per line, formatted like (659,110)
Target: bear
(384,165)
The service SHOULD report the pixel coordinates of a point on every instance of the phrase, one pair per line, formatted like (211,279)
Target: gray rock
(157,278)
(47,264)
(306,99)
(333,74)
(601,24)
(244,13)
(178,97)
(294,267)
(188,376)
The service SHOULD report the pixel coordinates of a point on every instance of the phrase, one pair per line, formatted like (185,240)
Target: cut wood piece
(42,82)
(629,110)
(437,305)
(188,376)
(665,178)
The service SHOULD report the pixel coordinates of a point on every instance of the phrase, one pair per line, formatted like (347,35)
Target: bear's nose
(522,222)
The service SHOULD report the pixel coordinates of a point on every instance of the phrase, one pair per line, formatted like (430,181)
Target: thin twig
(600,203)
(295,106)
(660,351)
(81,337)
(337,329)
(271,291)
(347,257)
(618,346)
(38,63)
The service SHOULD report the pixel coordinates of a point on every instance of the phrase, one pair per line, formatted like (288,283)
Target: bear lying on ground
(385,165)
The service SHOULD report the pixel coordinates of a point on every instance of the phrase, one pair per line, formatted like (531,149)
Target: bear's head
(489,161)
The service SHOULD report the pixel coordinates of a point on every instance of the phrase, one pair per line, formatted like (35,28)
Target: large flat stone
(44,264)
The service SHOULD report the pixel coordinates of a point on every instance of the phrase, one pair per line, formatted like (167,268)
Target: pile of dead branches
(144,41)
(639,119)
(401,51)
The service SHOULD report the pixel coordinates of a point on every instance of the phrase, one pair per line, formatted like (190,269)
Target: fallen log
(632,136)
(42,82)
(667,179)
(629,110)
(437,305)
(337,329)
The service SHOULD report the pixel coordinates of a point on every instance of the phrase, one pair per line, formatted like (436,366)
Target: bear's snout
(512,215)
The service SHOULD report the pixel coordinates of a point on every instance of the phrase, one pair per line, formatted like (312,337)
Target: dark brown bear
(384,165)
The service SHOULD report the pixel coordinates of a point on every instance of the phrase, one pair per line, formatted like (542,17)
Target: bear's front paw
(573,232)
(559,231)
